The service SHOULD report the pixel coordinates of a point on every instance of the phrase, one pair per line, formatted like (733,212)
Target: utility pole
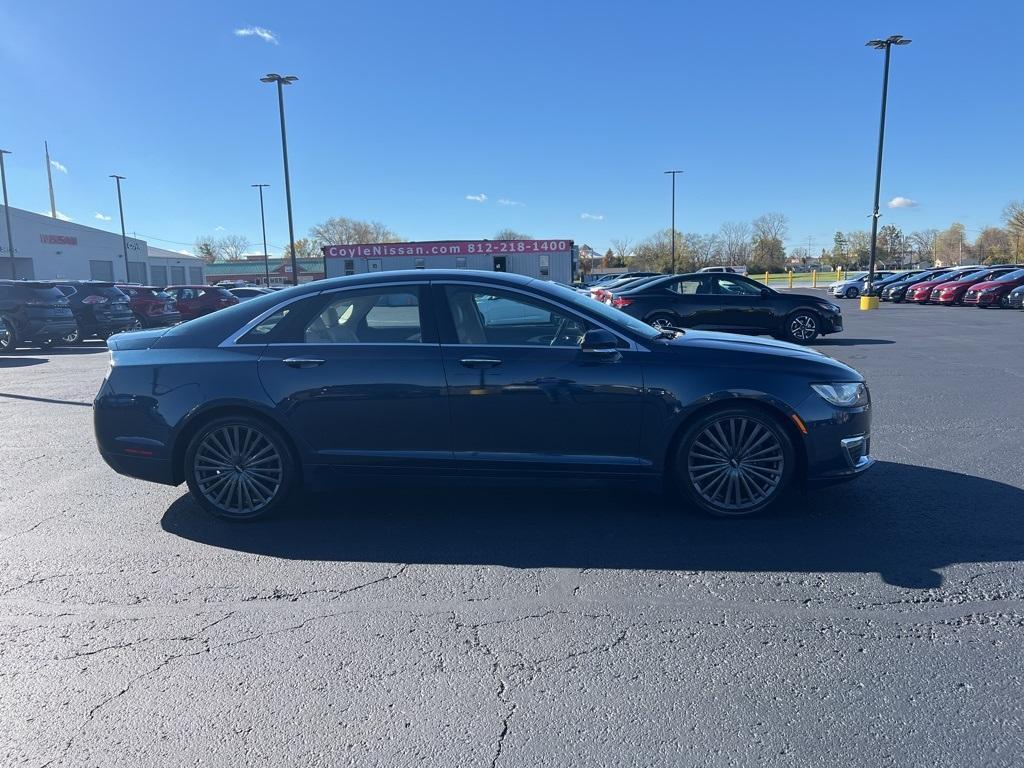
(281,82)
(49,179)
(263,223)
(673,175)
(7,216)
(124,238)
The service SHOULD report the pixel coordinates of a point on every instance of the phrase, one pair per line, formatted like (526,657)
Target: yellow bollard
(814,278)
(766,278)
(868,302)
(791,278)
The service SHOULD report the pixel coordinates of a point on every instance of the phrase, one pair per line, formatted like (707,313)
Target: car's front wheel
(852,292)
(240,468)
(734,462)
(802,327)
(8,335)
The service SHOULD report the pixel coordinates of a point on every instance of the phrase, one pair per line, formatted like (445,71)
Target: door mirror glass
(599,340)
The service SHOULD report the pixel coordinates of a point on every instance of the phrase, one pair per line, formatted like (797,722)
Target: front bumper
(831,324)
(837,443)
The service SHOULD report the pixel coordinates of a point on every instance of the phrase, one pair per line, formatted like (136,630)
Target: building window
(159,275)
(137,272)
(460,262)
(101,270)
(545,265)
(350,267)
(420,263)
(195,275)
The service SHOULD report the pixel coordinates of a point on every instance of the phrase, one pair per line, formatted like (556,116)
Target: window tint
(262,331)
(732,286)
(690,286)
(368,317)
(484,316)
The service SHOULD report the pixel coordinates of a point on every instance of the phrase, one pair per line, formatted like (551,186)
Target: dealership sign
(445,248)
(58,239)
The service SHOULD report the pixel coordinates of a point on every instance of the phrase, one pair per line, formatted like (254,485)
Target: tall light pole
(263,223)
(7,215)
(124,239)
(881,45)
(281,82)
(673,175)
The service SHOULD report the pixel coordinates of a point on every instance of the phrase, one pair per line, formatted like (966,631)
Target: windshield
(973,275)
(612,316)
(1017,274)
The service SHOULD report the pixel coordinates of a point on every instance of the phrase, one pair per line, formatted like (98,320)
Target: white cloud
(183,252)
(60,216)
(100,217)
(263,34)
(481,198)
(58,166)
(218,229)
(511,203)
(592,216)
(902,202)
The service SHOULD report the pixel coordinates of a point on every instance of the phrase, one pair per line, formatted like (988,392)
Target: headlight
(835,308)
(843,394)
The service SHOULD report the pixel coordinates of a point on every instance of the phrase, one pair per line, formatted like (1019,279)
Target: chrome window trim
(232,340)
(633,346)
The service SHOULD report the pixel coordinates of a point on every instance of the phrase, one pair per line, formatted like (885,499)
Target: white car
(852,286)
(736,269)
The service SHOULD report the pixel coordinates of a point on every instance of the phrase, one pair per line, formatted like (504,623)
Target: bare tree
(340,230)
(233,247)
(207,248)
(735,238)
(622,248)
(701,250)
(993,245)
(510,234)
(1013,217)
(923,241)
(771,226)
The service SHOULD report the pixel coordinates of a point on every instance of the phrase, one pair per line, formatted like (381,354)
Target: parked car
(100,309)
(995,292)
(725,302)
(248,292)
(880,285)
(853,285)
(153,307)
(1015,299)
(896,290)
(32,313)
(953,291)
(734,269)
(604,293)
(337,381)
(197,300)
(920,293)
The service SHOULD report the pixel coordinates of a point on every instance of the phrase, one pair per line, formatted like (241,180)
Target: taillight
(619,302)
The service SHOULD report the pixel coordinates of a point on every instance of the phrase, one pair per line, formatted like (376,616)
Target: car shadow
(84,348)
(903,523)
(846,342)
(21,362)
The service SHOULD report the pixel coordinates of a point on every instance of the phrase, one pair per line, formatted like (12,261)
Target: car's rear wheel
(75,337)
(802,327)
(137,324)
(734,462)
(239,468)
(852,292)
(663,320)
(8,335)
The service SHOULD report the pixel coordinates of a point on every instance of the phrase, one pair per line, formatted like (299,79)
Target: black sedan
(724,302)
(459,375)
(896,291)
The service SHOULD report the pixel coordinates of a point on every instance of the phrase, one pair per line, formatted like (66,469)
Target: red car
(952,292)
(198,300)
(920,293)
(152,307)
(995,292)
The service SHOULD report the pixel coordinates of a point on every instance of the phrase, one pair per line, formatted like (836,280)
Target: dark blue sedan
(460,375)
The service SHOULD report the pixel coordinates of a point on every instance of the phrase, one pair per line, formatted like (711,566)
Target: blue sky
(403,109)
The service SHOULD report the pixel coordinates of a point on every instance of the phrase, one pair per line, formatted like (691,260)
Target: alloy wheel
(736,463)
(803,327)
(6,335)
(661,323)
(238,469)
(72,338)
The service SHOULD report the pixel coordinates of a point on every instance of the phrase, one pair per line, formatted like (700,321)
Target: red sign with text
(445,248)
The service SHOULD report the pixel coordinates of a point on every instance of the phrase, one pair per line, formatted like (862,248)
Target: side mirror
(765,293)
(599,341)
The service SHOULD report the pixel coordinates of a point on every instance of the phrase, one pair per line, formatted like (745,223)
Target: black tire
(8,335)
(271,476)
(663,320)
(137,324)
(745,451)
(852,292)
(801,327)
(75,337)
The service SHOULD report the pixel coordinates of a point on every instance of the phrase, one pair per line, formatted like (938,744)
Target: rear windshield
(48,295)
(107,291)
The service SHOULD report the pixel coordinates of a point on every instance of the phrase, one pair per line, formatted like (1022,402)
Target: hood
(953,284)
(985,284)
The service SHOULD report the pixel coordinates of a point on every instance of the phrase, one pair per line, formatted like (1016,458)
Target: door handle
(302,362)
(480,362)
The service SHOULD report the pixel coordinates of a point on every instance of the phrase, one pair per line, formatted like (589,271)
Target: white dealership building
(47,248)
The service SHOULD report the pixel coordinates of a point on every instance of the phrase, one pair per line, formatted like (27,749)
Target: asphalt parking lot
(876,623)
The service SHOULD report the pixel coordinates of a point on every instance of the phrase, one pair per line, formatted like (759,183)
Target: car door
(742,305)
(186,298)
(523,396)
(691,298)
(357,375)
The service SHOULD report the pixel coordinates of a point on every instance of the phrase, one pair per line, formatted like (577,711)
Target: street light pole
(263,223)
(885,45)
(7,215)
(124,239)
(673,175)
(281,82)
